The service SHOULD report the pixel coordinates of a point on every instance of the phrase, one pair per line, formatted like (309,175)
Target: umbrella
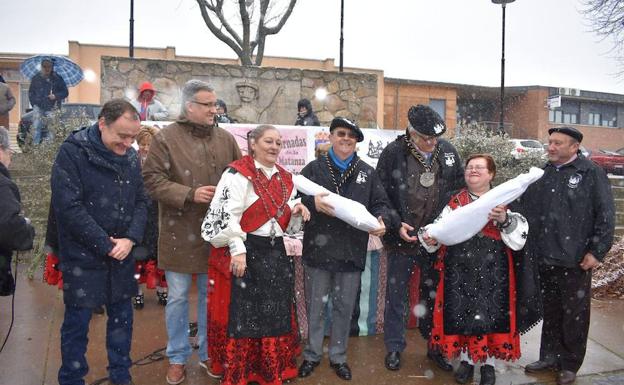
(65,68)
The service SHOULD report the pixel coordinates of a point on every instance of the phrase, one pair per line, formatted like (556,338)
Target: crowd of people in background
(186,207)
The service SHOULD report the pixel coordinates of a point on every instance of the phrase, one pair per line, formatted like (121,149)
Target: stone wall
(253,94)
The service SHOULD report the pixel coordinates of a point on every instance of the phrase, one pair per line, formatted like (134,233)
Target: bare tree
(244,24)
(607,20)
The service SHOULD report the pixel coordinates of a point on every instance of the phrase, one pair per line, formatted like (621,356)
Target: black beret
(425,120)
(339,121)
(570,131)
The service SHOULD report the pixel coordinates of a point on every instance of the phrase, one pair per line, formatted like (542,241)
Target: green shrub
(478,139)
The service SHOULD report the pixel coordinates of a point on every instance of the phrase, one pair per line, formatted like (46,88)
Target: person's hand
(52,97)
(403,233)
(381,230)
(121,248)
(429,240)
(300,209)
(498,214)
(589,262)
(322,206)
(204,194)
(238,265)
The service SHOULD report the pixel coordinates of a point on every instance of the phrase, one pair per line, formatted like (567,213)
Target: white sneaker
(206,366)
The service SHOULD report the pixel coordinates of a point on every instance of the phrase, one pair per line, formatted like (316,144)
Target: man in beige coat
(7,102)
(185,162)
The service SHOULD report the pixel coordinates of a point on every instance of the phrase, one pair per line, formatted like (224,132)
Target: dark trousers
(74,342)
(400,267)
(566,294)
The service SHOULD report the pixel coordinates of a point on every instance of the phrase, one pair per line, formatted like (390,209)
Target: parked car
(68,111)
(523,147)
(610,161)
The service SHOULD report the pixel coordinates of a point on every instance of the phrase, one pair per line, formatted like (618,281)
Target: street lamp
(131,45)
(341,35)
(501,126)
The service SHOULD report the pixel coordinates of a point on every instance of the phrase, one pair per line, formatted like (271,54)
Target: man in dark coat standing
(334,252)
(16,232)
(572,217)
(100,207)
(46,92)
(305,114)
(419,172)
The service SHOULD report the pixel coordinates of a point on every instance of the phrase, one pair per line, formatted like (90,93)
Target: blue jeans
(40,125)
(177,316)
(74,341)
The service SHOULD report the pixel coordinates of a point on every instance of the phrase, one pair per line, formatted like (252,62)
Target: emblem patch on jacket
(449,159)
(574,180)
(361,178)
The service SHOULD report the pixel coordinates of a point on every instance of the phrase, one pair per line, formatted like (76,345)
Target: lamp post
(341,34)
(501,126)
(131,45)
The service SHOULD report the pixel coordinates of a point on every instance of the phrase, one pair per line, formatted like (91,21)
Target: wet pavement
(32,354)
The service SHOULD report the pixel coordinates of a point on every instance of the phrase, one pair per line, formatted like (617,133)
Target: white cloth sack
(347,210)
(466,221)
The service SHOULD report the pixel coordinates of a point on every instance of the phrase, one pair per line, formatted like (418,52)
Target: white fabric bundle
(347,210)
(463,223)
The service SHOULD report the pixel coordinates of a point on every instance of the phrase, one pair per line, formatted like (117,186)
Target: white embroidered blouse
(235,194)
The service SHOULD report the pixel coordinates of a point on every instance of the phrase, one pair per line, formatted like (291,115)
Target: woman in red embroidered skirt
(252,329)
(475,306)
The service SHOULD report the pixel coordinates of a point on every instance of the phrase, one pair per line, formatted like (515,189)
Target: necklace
(263,190)
(346,175)
(427,178)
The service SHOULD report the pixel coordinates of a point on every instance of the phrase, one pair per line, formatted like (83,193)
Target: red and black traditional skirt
(252,328)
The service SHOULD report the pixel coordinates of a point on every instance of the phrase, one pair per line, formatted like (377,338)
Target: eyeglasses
(342,134)
(209,104)
(423,137)
(476,168)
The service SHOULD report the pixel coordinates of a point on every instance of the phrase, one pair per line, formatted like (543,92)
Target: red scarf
(256,215)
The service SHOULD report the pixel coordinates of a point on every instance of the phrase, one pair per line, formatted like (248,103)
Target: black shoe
(542,366)
(393,361)
(138,301)
(342,370)
(566,377)
(488,376)
(439,360)
(162,297)
(464,373)
(307,367)
(98,310)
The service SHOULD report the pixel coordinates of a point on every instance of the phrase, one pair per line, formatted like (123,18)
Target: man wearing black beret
(571,215)
(334,252)
(419,172)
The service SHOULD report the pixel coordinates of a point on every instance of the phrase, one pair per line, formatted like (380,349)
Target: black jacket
(570,212)
(328,242)
(41,87)
(392,170)
(95,198)
(16,232)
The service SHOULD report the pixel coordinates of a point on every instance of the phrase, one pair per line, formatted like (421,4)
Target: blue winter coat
(96,196)
(41,87)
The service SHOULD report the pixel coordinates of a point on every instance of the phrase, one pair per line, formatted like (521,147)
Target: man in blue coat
(46,93)
(100,207)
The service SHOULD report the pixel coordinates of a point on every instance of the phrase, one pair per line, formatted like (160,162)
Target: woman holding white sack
(475,310)
(334,252)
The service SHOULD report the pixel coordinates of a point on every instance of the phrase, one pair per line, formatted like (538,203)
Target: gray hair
(192,87)
(256,134)
(4,138)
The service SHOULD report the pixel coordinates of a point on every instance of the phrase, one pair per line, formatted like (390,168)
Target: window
(593,119)
(439,106)
(604,115)
(568,113)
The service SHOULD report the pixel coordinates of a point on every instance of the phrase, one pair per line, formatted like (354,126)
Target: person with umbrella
(46,93)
